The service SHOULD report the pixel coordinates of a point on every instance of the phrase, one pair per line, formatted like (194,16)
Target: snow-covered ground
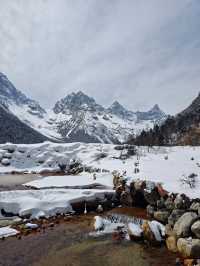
(160,164)
(83,181)
(46,202)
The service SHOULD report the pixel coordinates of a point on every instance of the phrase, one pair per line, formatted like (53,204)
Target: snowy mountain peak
(119,110)
(10,97)
(76,102)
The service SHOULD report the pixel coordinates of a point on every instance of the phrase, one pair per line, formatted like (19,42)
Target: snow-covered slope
(159,164)
(77,117)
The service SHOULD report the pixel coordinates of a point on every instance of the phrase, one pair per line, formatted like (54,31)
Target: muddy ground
(69,244)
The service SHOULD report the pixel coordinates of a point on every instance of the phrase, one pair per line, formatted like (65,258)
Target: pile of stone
(180,214)
(182,218)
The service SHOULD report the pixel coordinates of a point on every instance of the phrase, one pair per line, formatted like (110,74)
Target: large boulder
(195,206)
(189,248)
(174,216)
(171,243)
(182,202)
(161,216)
(135,232)
(196,229)
(153,232)
(182,227)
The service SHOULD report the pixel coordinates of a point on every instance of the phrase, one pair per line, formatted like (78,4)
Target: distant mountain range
(76,117)
(182,129)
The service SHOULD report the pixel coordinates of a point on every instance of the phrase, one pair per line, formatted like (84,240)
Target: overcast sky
(139,52)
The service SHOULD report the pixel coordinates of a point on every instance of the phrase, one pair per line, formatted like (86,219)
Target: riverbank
(68,243)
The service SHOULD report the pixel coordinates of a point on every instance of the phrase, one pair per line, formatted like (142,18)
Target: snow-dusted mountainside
(77,117)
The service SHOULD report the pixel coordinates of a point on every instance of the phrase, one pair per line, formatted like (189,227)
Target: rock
(183,225)
(126,199)
(189,248)
(31,226)
(148,234)
(182,202)
(196,229)
(161,216)
(139,185)
(195,206)
(169,230)
(171,243)
(161,204)
(174,216)
(152,197)
(135,232)
(150,211)
(189,262)
(169,204)
(7,155)
(99,208)
(153,232)
(5,162)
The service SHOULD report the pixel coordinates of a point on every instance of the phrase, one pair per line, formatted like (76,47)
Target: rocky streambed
(179,214)
(67,241)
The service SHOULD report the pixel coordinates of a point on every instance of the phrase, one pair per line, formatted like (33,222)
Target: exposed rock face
(189,248)
(182,227)
(196,229)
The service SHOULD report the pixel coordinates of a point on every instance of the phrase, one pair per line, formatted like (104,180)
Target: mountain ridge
(77,116)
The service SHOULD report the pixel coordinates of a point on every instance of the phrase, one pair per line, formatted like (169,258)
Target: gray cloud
(138,52)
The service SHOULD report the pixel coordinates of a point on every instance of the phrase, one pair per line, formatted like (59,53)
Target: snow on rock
(31,226)
(47,202)
(158,230)
(7,231)
(98,224)
(84,180)
(135,229)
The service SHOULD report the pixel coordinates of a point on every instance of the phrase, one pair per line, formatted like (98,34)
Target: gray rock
(161,204)
(150,211)
(196,229)
(174,216)
(195,206)
(189,248)
(183,225)
(161,216)
(169,204)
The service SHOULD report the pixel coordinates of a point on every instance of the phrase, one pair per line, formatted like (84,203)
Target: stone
(161,204)
(174,216)
(161,216)
(171,243)
(189,262)
(126,199)
(139,185)
(189,248)
(148,234)
(178,202)
(152,197)
(150,211)
(169,230)
(135,232)
(183,226)
(5,162)
(169,204)
(196,229)
(195,206)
